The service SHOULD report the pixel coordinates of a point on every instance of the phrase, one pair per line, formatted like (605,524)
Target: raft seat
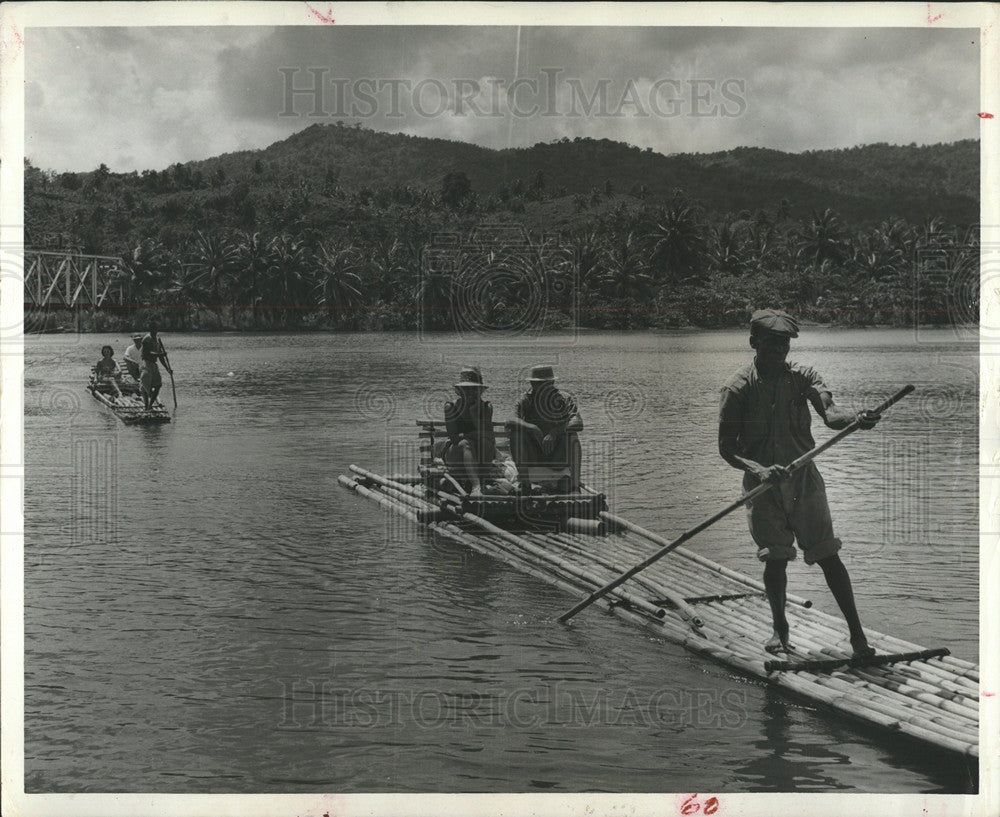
(434,432)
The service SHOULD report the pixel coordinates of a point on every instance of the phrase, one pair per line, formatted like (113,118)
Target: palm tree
(385,261)
(823,239)
(579,270)
(626,269)
(765,242)
(337,278)
(677,241)
(725,248)
(288,285)
(144,269)
(881,261)
(433,294)
(252,262)
(213,262)
(588,252)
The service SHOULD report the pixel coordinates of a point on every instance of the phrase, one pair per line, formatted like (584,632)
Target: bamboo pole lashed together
(928,700)
(543,554)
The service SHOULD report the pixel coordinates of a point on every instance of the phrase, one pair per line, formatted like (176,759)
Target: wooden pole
(835,663)
(570,568)
(169,368)
(858,694)
(669,596)
(957,707)
(850,704)
(808,457)
(698,559)
(657,585)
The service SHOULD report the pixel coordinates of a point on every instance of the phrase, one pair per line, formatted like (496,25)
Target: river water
(206,610)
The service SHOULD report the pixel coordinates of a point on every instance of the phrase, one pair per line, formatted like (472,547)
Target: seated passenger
(106,372)
(133,357)
(545,432)
(471,446)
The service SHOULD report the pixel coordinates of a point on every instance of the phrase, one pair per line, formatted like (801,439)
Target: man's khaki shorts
(151,377)
(794,511)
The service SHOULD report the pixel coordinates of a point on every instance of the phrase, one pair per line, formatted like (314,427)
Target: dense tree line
(278,239)
(652,267)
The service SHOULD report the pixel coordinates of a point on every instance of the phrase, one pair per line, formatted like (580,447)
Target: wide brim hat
(541,374)
(775,322)
(471,376)
(137,336)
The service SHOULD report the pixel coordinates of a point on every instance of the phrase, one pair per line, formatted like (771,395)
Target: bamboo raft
(128,408)
(575,544)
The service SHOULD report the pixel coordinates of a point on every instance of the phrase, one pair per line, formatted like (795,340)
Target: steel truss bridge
(62,278)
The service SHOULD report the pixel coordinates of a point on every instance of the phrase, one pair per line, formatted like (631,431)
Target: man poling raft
(764,431)
(152,351)
(125,397)
(764,424)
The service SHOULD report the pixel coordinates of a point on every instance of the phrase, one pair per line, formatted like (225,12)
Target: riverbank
(388,319)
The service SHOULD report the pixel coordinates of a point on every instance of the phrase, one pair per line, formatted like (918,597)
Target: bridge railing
(70,279)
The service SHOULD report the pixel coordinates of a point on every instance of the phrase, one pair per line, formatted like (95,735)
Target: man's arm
(575,422)
(568,420)
(523,425)
(839,418)
(730,420)
(451,413)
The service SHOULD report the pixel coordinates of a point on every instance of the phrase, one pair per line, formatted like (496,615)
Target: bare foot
(862,649)
(477,490)
(776,644)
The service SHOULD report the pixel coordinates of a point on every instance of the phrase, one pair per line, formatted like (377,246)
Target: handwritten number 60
(692,806)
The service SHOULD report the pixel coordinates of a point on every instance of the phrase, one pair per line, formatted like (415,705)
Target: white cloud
(144,97)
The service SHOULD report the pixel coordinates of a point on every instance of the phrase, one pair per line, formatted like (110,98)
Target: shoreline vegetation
(343,228)
(67,321)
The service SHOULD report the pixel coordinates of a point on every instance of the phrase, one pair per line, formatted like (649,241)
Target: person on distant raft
(545,431)
(106,371)
(764,424)
(133,357)
(150,379)
(471,445)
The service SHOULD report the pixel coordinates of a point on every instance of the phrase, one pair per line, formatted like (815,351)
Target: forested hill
(322,175)
(331,227)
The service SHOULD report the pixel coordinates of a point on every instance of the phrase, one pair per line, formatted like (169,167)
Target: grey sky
(138,98)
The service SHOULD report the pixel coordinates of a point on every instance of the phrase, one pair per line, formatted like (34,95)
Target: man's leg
(814,528)
(470,465)
(839,582)
(157,385)
(457,459)
(769,527)
(522,449)
(776,583)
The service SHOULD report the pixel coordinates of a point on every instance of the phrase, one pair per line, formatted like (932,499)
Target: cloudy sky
(137,98)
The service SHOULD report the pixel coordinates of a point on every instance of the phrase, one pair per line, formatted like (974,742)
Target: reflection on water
(801,750)
(206,610)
